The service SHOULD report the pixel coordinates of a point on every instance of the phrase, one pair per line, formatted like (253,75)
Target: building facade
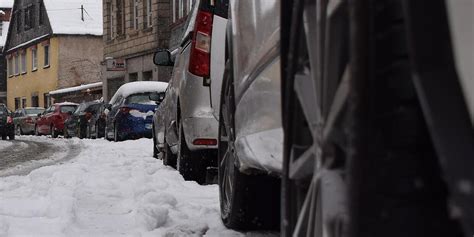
(51,45)
(133,31)
(5,13)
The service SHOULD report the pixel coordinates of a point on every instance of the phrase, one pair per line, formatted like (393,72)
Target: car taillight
(125,110)
(88,115)
(9,119)
(205,142)
(199,61)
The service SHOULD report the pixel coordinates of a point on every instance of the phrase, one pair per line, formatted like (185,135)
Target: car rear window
(68,108)
(34,111)
(141,98)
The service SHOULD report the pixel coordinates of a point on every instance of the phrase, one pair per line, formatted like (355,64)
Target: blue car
(130,111)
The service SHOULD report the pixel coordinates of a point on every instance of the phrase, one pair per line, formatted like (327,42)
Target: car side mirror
(39,115)
(162,57)
(157,96)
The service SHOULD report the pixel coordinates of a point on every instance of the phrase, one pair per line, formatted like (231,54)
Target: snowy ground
(108,189)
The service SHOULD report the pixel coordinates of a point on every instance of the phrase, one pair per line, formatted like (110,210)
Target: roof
(3,36)
(65,103)
(65,16)
(76,88)
(6,3)
(139,87)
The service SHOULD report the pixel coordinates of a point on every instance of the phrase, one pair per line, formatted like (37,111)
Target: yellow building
(47,49)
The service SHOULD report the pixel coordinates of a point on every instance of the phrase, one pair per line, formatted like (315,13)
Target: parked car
(7,128)
(130,111)
(25,119)
(185,128)
(250,126)
(51,121)
(86,122)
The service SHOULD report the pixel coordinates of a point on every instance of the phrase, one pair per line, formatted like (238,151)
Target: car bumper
(200,128)
(133,127)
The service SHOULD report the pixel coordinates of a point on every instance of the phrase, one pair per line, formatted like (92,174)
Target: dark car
(7,128)
(51,121)
(130,111)
(86,122)
(25,118)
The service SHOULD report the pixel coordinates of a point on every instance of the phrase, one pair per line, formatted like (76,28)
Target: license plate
(148,126)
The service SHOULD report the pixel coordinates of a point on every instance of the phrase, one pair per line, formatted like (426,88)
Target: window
(17,103)
(147,14)
(1,27)
(23,61)
(181,8)
(18,21)
(17,65)
(147,76)
(34,59)
(120,26)
(132,77)
(46,102)
(23,102)
(29,17)
(40,13)
(35,101)
(110,24)
(10,66)
(134,14)
(46,55)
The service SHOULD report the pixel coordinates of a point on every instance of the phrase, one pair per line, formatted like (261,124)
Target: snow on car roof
(66,103)
(138,87)
(65,16)
(6,3)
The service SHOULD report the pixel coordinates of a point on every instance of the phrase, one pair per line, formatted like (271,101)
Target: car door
(48,119)
(41,121)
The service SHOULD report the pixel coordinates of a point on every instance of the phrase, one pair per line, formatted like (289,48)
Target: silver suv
(185,126)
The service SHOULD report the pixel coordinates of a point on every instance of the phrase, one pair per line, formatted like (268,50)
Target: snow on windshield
(138,87)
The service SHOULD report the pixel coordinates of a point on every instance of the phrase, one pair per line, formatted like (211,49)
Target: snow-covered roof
(139,87)
(66,103)
(6,3)
(65,16)
(3,36)
(76,88)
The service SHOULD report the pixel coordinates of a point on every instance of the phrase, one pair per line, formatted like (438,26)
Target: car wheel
(11,136)
(4,137)
(355,137)
(246,201)
(88,132)
(18,130)
(191,165)
(169,158)
(117,136)
(66,133)
(37,133)
(54,132)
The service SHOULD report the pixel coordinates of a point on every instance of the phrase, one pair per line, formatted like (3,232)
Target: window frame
(34,59)
(17,65)
(23,60)
(46,56)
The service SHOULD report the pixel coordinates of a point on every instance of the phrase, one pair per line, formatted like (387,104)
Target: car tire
(377,147)
(11,136)
(54,132)
(18,130)
(169,158)
(191,165)
(66,133)
(37,133)
(4,137)
(247,201)
(117,137)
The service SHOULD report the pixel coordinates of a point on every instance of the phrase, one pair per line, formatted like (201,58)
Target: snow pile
(65,16)
(109,189)
(76,88)
(139,87)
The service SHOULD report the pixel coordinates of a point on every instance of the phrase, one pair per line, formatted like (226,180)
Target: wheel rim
(226,152)
(319,80)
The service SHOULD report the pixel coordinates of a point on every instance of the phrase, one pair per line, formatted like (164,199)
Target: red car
(51,121)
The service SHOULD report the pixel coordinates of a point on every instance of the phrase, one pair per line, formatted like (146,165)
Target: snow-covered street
(107,189)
